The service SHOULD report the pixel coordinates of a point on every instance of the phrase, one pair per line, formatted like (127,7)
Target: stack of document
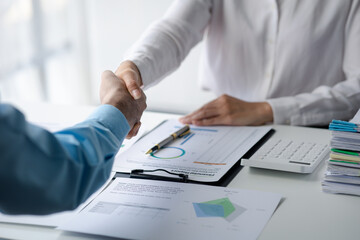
(343,170)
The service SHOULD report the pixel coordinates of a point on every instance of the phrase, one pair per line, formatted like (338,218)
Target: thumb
(131,80)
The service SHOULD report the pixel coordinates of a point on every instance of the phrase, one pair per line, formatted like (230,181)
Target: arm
(318,107)
(165,44)
(340,101)
(41,172)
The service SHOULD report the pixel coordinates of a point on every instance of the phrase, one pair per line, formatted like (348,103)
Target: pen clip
(185,133)
(179,133)
(141,173)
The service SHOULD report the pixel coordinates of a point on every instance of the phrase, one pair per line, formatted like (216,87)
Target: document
(148,209)
(356,118)
(205,154)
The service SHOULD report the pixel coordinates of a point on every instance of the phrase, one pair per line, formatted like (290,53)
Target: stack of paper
(343,171)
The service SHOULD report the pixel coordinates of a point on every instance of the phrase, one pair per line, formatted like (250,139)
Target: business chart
(168,153)
(130,210)
(199,138)
(156,210)
(205,154)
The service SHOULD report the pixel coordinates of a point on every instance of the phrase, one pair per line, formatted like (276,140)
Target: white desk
(304,213)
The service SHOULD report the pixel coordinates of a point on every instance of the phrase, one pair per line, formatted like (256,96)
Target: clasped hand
(225,110)
(113,91)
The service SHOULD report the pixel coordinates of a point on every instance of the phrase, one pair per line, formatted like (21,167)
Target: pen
(182,131)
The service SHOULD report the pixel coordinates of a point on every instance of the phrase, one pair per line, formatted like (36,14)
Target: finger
(142,95)
(107,73)
(206,111)
(130,78)
(203,113)
(107,78)
(134,131)
(210,121)
(137,128)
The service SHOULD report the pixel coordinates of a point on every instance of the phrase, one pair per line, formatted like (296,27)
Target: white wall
(113,26)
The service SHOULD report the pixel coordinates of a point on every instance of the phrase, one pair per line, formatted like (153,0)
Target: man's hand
(113,91)
(129,72)
(227,110)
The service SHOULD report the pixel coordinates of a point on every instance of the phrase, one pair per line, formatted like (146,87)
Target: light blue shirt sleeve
(43,172)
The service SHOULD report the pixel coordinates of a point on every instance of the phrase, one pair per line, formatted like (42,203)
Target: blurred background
(55,51)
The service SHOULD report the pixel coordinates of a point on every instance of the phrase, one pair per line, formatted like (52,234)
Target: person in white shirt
(287,62)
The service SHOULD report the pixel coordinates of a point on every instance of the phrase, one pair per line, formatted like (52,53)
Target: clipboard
(174,177)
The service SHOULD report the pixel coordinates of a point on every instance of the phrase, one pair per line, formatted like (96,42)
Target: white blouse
(301,56)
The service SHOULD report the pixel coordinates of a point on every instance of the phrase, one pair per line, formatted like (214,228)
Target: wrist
(265,112)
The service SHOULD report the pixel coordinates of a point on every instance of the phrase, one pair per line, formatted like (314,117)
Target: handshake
(115,92)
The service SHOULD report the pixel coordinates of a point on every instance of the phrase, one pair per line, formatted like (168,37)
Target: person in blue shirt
(43,172)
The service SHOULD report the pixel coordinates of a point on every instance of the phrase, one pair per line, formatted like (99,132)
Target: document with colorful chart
(205,154)
(155,210)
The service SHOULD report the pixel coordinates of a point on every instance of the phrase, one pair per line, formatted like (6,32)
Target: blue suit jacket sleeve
(43,172)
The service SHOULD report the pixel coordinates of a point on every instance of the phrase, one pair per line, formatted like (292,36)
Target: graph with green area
(222,207)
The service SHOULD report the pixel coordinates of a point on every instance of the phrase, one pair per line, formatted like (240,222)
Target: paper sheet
(205,154)
(356,118)
(145,209)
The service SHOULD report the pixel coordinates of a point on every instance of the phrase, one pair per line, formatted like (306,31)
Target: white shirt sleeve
(305,63)
(325,103)
(167,42)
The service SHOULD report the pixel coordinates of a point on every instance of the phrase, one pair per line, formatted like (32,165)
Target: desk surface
(304,213)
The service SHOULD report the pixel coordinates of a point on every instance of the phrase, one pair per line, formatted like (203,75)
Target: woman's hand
(227,110)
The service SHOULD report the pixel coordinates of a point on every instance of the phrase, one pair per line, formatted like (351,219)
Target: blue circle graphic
(182,152)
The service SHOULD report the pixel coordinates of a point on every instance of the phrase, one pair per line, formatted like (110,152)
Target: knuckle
(206,121)
(227,108)
(129,75)
(105,74)
(228,119)
(223,97)
(222,100)
(131,85)
(202,112)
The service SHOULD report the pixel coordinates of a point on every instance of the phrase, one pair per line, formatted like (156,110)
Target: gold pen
(181,132)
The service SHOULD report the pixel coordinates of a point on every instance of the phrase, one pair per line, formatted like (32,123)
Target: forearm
(167,42)
(43,172)
(320,106)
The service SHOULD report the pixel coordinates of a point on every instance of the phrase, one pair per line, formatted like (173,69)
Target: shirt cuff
(112,118)
(285,110)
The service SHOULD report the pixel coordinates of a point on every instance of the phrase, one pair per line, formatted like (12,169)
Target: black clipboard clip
(141,173)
